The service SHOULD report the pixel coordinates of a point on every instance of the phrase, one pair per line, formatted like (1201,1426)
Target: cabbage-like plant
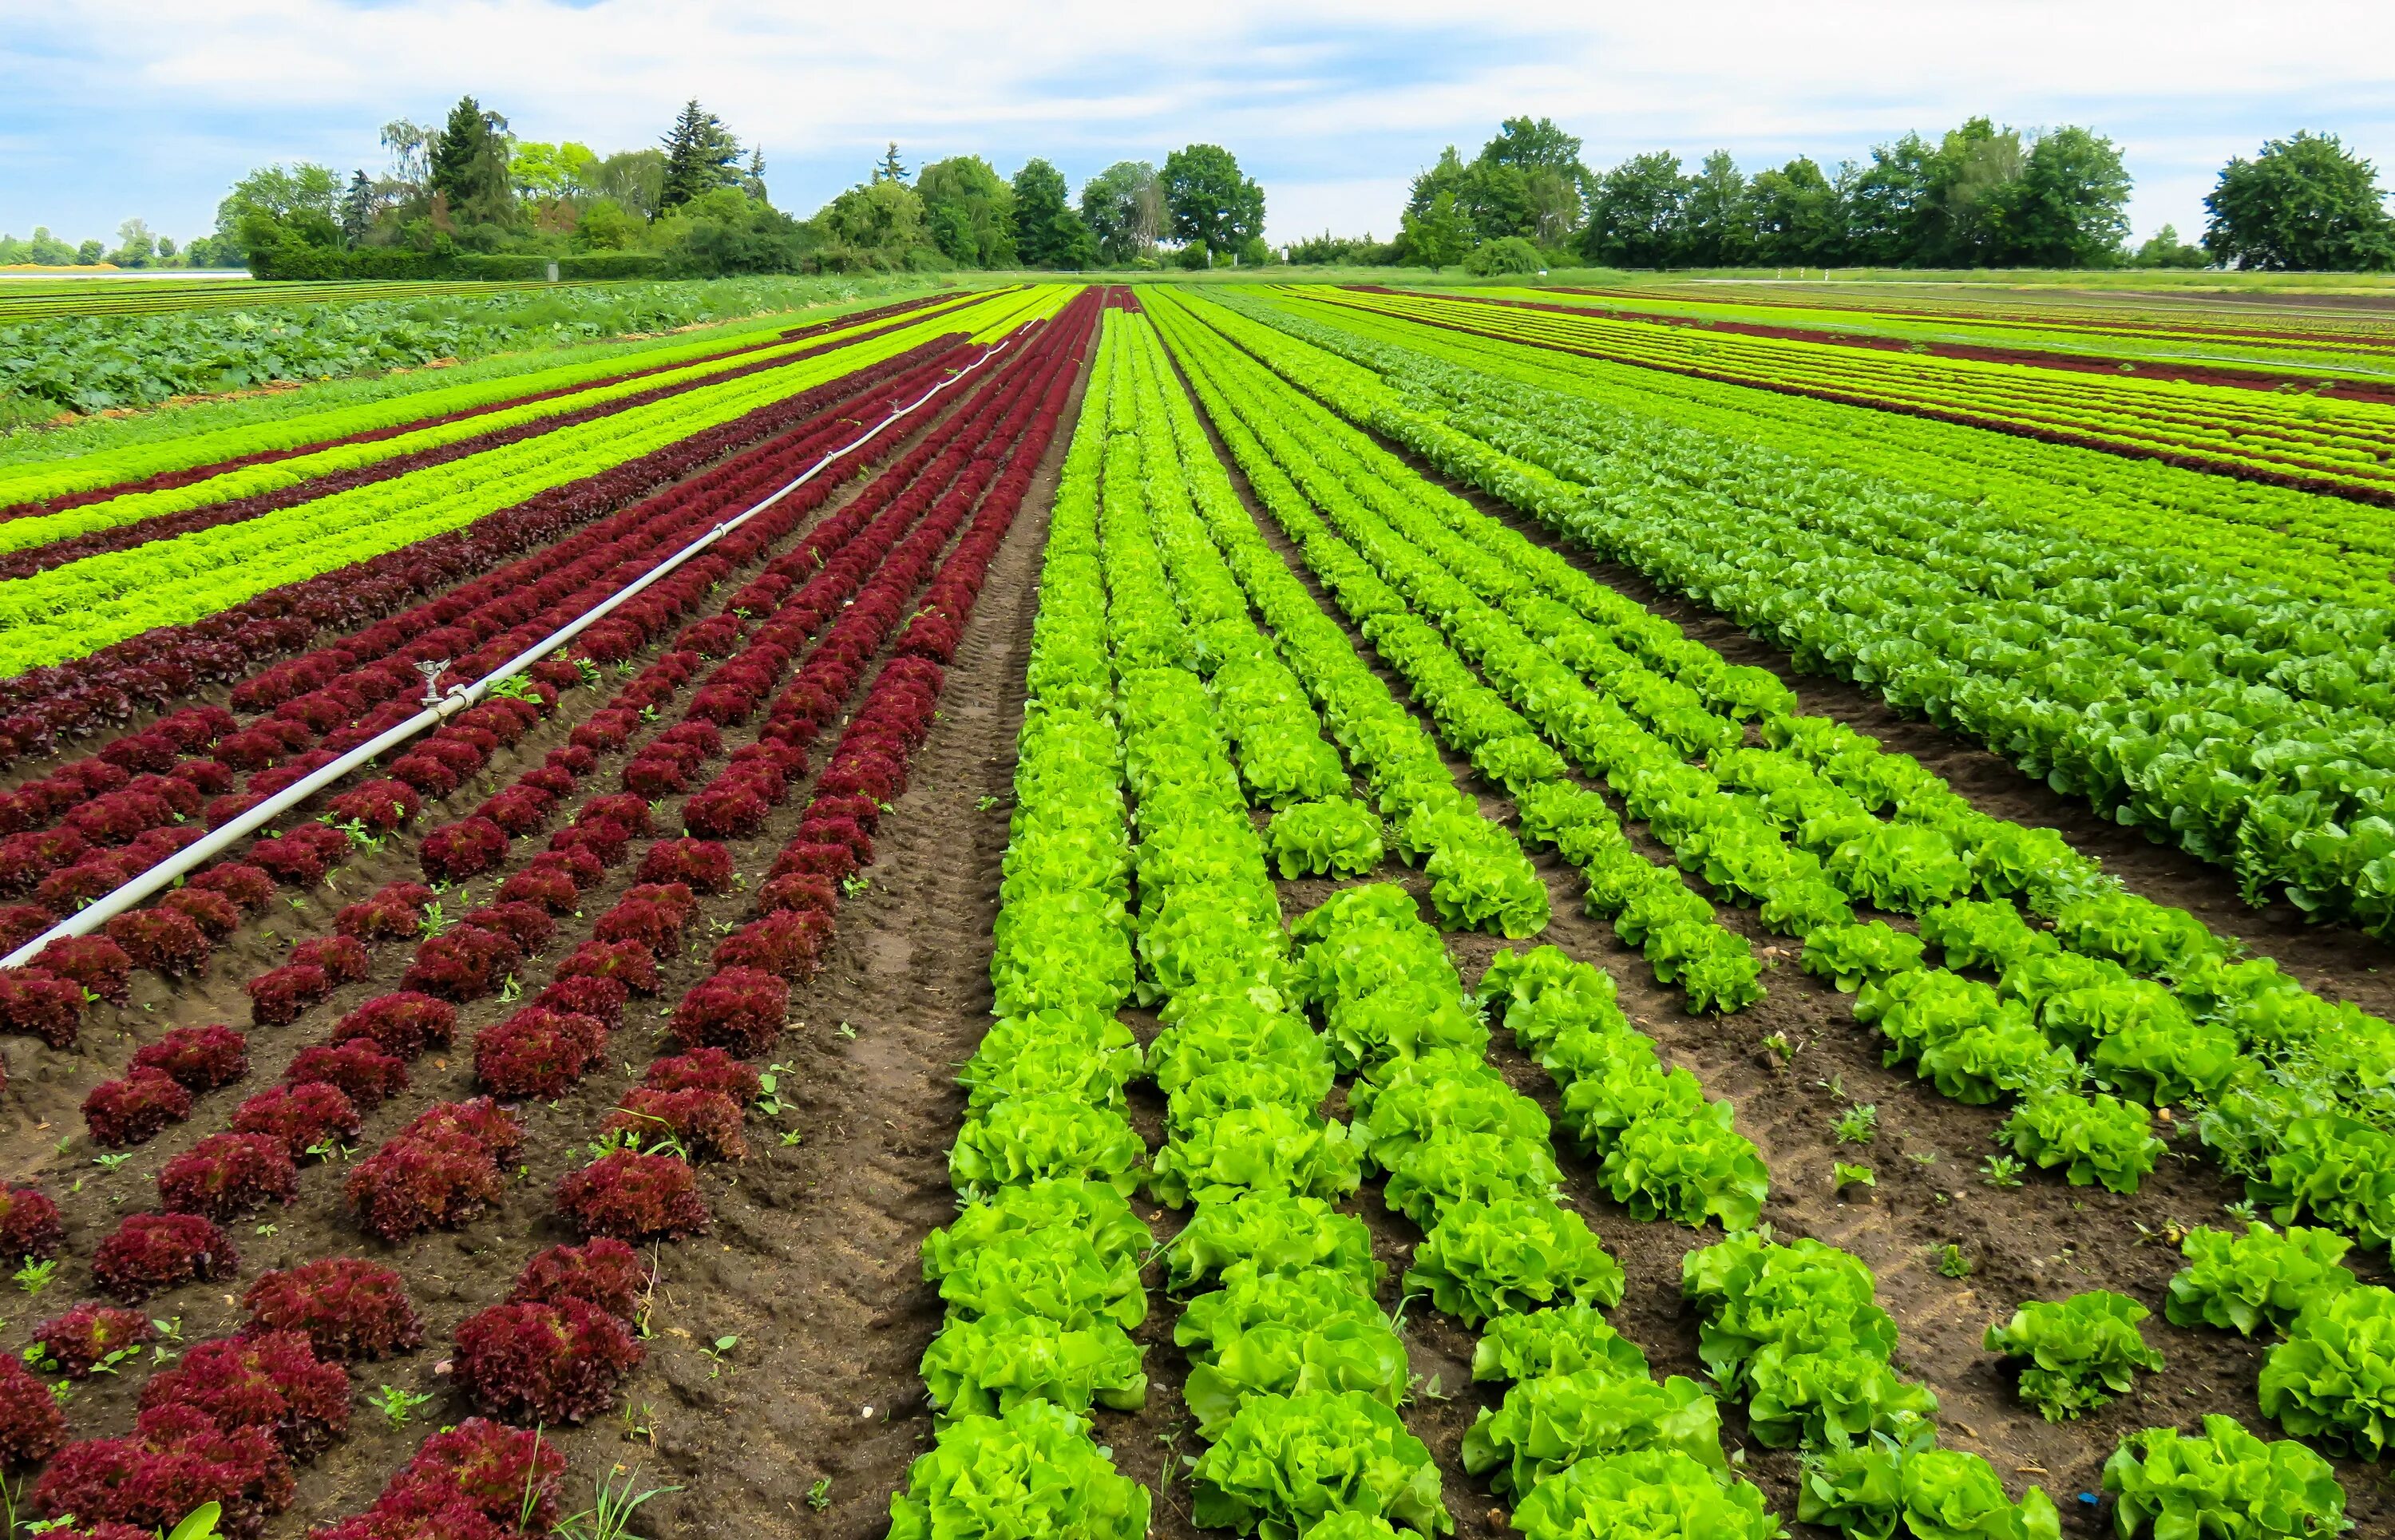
(1284,1463)
(2263,1278)
(2075,1356)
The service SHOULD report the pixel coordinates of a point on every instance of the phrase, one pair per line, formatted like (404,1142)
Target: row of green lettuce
(2220,709)
(2230,428)
(1615,1097)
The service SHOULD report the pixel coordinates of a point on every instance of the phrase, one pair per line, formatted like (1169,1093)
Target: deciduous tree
(1123,206)
(968,211)
(1209,200)
(1047,232)
(2305,202)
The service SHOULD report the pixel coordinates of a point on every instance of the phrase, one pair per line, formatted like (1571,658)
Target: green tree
(1639,217)
(280,206)
(1717,216)
(1439,234)
(606,225)
(1529,181)
(1208,200)
(1800,217)
(883,216)
(890,167)
(968,211)
(2164,249)
(1891,200)
(635,178)
(545,172)
(1971,188)
(1047,232)
(469,165)
(752,177)
(2304,204)
(358,208)
(1123,206)
(2068,207)
(90,254)
(136,247)
(701,155)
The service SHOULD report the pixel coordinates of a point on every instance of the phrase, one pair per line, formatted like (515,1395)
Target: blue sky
(111,109)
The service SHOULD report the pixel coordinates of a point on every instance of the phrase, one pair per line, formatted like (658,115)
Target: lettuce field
(1064,911)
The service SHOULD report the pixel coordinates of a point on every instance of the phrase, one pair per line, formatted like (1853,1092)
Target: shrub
(465,849)
(477,1118)
(553,1361)
(740,1010)
(707,1123)
(274,1382)
(507,1475)
(414,1184)
(161,940)
(537,1053)
(75,1343)
(627,963)
(216,915)
(402,1025)
(604,1272)
(29,1225)
(466,964)
(200,1058)
(152,1251)
(703,864)
(227,1177)
(364,1074)
(347,1308)
(132,1111)
(300,1118)
(38,1004)
(283,994)
(704,1070)
(786,943)
(633,1197)
(94,962)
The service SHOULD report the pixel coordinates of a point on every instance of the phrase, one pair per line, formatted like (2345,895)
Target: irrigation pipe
(455,699)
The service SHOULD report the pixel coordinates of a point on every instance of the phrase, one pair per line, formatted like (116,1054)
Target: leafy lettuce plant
(1807,1296)
(1286,1333)
(1687,1168)
(987,1366)
(2263,1278)
(1486,1258)
(1454,1164)
(1263,1148)
(1032,1474)
(1094,1211)
(1336,836)
(1838,1394)
(1418,1099)
(2333,1378)
(1564,1340)
(2227,1482)
(1554,1421)
(1851,956)
(1284,1463)
(1642,1495)
(1086,1052)
(1025,1138)
(1273,1231)
(2098,1139)
(2077,1355)
(1980,933)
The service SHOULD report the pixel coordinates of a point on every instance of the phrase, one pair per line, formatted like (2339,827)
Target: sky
(115,109)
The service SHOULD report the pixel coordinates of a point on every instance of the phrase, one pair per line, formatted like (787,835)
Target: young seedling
(1857,1125)
(2001,1171)
(33,1277)
(109,1163)
(716,1350)
(985,804)
(1780,1045)
(791,1137)
(1951,1263)
(819,1494)
(1845,1176)
(397,1406)
(846,1032)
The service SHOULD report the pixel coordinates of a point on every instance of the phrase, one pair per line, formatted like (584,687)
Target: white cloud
(115,107)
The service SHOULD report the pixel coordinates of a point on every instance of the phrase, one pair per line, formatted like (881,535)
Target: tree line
(1976,196)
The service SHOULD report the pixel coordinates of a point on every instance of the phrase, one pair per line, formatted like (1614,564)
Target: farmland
(1213,908)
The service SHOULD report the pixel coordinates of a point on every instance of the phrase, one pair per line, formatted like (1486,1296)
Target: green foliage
(987,1366)
(1032,1474)
(1870,1490)
(968,211)
(1851,956)
(2301,203)
(1336,836)
(2077,1355)
(1052,1134)
(2263,1278)
(2225,1483)
(2094,1139)
(1646,1495)
(1554,1421)
(1286,1333)
(1047,232)
(470,166)
(1260,1148)
(2333,1378)
(1565,1339)
(701,157)
(1210,202)
(1274,1232)
(1284,1463)
(1486,1258)
(1123,206)
(1506,254)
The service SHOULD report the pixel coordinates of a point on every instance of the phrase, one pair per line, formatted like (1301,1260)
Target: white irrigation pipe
(456,698)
